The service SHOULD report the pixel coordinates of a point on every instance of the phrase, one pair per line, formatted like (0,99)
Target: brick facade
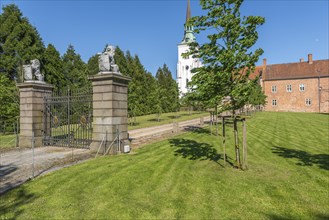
(297,87)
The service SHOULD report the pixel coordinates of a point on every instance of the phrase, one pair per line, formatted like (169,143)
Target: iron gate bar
(68,119)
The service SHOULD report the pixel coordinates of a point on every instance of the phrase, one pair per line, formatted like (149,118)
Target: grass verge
(184,177)
(7,141)
(165,118)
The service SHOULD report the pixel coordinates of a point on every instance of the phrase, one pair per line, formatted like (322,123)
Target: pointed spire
(188,11)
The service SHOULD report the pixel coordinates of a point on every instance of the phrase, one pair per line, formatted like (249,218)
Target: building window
(301,87)
(308,102)
(273,89)
(289,88)
(274,102)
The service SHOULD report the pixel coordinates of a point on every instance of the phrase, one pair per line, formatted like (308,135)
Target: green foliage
(19,42)
(9,99)
(53,68)
(168,88)
(227,56)
(257,96)
(92,65)
(146,94)
(75,70)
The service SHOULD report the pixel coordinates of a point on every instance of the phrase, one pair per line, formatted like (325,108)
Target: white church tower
(185,65)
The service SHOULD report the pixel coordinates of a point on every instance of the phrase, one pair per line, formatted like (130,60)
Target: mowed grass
(165,118)
(7,141)
(184,177)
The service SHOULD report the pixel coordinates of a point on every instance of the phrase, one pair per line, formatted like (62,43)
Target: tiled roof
(297,70)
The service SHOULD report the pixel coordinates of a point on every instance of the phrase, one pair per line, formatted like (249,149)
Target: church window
(308,102)
(273,89)
(301,87)
(274,103)
(187,67)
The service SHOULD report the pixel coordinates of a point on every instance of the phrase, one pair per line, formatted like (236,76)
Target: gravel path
(16,165)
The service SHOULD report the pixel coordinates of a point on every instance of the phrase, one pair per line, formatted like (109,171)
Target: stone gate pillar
(31,96)
(110,109)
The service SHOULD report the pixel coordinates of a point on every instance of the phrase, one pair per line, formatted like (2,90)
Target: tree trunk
(223,134)
(244,146)
(236,141)
(210,123)
(216,118)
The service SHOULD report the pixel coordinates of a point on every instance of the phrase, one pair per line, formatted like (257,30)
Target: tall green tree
(228,55)
(92,65)
(53,68)
(75,70)
(19,42)
(170,96)
(9,107)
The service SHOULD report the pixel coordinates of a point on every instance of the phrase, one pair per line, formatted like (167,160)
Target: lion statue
(32,71)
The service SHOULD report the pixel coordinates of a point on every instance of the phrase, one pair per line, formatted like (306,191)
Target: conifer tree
(19,42)
(53,68)
(75,69)
(170,100)
(92,65)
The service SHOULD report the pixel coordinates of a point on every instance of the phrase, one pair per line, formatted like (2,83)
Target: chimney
(301,60)
(264,69)
(310,59)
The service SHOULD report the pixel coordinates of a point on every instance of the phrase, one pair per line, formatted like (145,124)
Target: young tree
(228,56)
(257,96)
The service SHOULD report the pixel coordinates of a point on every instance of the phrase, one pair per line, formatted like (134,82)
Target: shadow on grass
(193,150)
(196,129)
(13,209)
(174,116)
(281,217)
(134,124)
(155,119)
(305,158)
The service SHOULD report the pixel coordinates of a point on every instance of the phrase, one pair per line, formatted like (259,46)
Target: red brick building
(300,87)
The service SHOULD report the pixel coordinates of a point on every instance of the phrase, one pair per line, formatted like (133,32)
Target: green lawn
(184,177)
(7,141)
(165,118)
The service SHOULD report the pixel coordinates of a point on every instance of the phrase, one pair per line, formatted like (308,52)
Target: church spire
(188,30)
(188,11)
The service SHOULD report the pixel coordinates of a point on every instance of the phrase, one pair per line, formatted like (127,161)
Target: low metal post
(32,154)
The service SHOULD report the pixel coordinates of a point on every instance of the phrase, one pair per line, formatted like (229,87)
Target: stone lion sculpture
(106,60)
(33,70)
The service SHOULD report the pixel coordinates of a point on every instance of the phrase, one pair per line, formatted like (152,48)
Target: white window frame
(308,102)
(289,88)
(302,87)
(274,89)
(274,102)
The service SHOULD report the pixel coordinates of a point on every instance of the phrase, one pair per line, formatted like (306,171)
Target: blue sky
(153,28)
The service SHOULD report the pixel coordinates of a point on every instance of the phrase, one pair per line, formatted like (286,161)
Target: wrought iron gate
(68,119)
